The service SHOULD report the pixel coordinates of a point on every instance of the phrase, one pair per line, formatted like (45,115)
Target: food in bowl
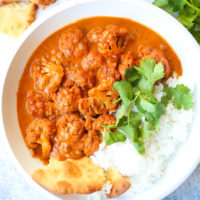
(99,102)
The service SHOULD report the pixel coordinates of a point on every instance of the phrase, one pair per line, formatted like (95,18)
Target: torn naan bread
(4,2)
(119,183)
(16,17)
(71,176)
(43,2)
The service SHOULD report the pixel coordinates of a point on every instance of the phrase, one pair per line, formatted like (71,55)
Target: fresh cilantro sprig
(180,96)
(140,111)
(186,11)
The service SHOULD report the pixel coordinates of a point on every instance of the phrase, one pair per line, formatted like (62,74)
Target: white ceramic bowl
(187,156)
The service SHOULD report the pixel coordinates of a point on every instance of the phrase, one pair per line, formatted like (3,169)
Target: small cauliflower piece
(88,123)
(90,106)
(127,61)
(91,142)
(39,105)
(103,120)
(66,99)
(76,75)
(150,52)
(100,100)
(109,70)
(70,129)
(73,43)
(106,94)
(47,76)
(40,133)
(112,40)
(92,61)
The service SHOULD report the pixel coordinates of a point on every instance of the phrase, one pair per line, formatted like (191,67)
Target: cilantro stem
(129,112)
(131,106)
(192,6)
(117,100)
(109,126)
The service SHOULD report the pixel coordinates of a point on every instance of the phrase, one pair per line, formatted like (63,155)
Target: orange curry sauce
(63,118)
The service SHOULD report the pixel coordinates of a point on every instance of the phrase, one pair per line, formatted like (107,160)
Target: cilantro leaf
(130,131)
(187,16)
(146,130)
(132,75)
(145,105)
(135,118)
(139,146)
(123,121)
(144,85)
(180,96)
(186,11)
(125,91)
(160,3)
(150,70)
(176,5)
(168,95)
(113,137)
(195,29)
(159,111)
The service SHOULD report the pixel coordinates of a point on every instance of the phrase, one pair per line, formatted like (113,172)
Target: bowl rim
(53,12)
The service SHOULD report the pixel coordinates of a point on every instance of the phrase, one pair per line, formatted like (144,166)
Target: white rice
(144,170)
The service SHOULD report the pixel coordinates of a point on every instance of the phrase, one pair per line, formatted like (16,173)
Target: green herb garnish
(140,110)
(180,95)
(186,11)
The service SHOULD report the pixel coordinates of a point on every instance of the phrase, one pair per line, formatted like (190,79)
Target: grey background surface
(14,187)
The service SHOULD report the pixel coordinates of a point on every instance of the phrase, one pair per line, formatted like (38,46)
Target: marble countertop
(12,184)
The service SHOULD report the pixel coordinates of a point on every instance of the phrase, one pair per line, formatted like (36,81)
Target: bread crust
(80,176)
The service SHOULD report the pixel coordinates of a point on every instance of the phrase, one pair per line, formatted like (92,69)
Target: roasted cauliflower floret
(103,120)
(39,105)
(73,43)
(100,100)
(47,76)
(127,61)
(149,52)
(91,106)
(109,70)
(66,99)
(88,123)
(40,133)
(76,75)
(93,61)
(106,94)
(91,142)
(112,40)
(70,129)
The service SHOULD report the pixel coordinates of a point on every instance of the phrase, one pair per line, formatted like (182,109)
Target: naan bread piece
(70,176)
(119,183)
(16,17)
(4,2)
(43,2)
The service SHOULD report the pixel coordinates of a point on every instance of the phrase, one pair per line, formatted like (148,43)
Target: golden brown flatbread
(71,176)
(43,2)
(16,17)
(119,183)
(4,2)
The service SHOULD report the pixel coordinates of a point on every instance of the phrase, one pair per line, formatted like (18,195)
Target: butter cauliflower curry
(66,92)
